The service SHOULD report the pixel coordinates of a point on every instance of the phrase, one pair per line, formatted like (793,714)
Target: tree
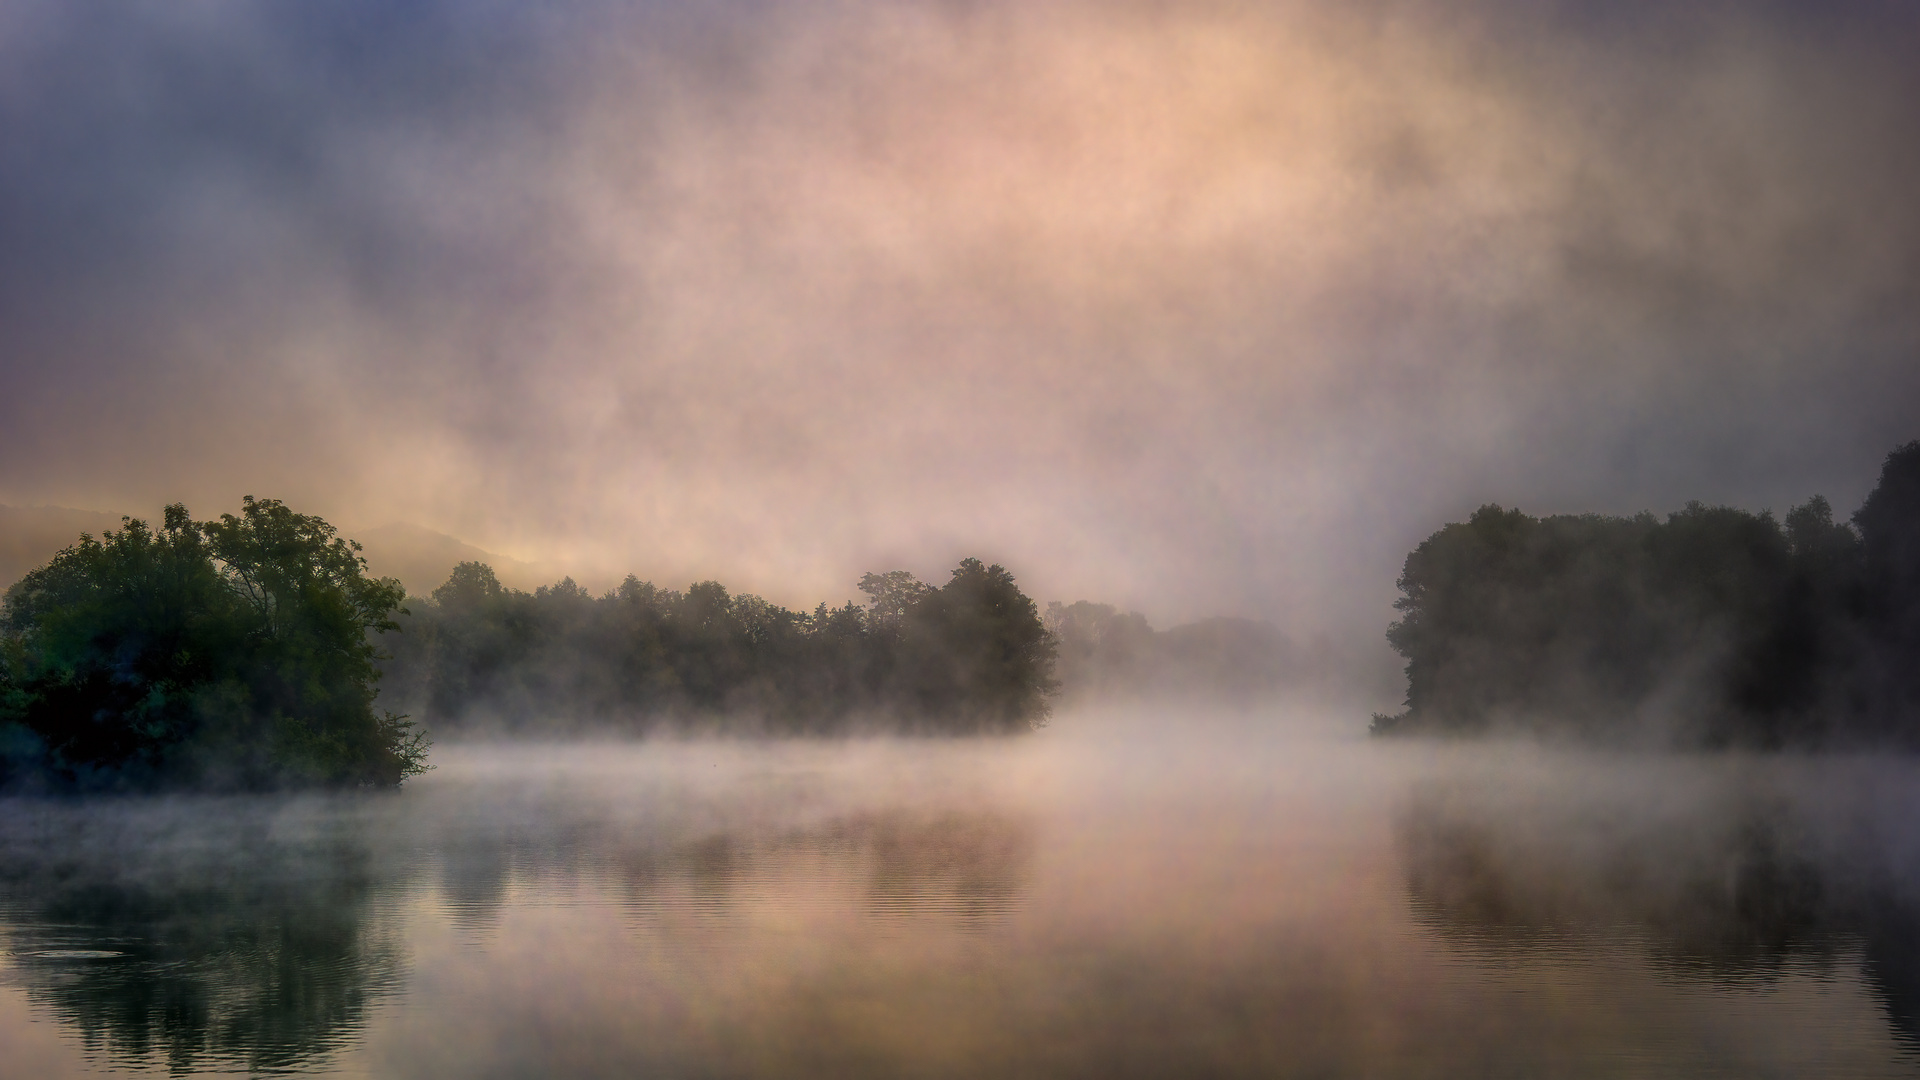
(972,656)
(976,655)
(1889,524)
(113,644)
(473,629)
(889,597)
(233,653)
(1717,626)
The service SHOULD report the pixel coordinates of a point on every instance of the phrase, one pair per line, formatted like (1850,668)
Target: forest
(248,652)
(477,657)
(1714,627)
(970,656)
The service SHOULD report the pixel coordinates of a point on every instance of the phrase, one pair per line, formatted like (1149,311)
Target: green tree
(312,613)
(235,653)
(114,645)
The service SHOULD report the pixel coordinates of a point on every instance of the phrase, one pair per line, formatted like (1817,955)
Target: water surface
(1123,895)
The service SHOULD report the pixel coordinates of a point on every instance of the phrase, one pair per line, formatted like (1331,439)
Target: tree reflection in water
(704,909)
(195,934)
(1733,884)
(259,934)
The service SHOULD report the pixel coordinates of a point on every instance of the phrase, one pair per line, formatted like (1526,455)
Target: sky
(1195,307)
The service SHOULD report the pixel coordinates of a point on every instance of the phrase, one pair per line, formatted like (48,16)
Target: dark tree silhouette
(970,656)
(1715,627)
(1889,524)
(975,653)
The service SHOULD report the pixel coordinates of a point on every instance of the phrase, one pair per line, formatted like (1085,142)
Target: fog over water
(1206,309)
(1198,308)
(1136,895)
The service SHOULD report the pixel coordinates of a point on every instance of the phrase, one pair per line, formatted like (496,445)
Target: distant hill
(30,535)
(422,558)
(419,557)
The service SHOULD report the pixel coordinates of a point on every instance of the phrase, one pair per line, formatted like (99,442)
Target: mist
(1197,309)
(1115,893)
(669,358)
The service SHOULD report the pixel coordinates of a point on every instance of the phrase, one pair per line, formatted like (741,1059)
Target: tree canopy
(232,653)
(1715,626)
(969,656)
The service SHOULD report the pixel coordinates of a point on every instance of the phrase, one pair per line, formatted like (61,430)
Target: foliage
(231,653)
(1714,627)
(1889,525)
(972,655)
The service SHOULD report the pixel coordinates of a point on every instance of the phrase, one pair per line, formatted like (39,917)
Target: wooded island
(1714,627)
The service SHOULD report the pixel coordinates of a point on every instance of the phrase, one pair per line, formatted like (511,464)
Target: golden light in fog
(1194,307)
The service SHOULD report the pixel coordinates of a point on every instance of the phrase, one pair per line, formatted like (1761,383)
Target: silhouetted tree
(1889,524)
(1716,626)
(975,654)
(890,596)
(972,656)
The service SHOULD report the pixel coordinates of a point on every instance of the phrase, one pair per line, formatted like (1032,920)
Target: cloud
(1200,307)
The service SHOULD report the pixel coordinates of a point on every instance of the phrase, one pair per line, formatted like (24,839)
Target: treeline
(1107,654)
(1714,627)
(969,656)
(248,652)
(237,653)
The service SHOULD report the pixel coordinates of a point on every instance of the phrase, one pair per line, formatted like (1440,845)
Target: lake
(1164,894)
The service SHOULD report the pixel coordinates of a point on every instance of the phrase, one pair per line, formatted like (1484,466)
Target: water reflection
(1747,876)
(1101,908)
(262,935)
(972,868)
(194,935)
